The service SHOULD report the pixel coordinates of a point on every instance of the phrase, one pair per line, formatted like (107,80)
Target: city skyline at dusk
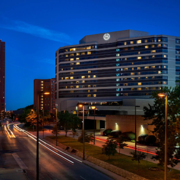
(33,31)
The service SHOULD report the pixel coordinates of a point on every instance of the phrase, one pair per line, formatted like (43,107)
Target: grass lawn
(120,160)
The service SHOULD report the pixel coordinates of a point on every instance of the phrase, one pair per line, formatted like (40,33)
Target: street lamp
(165,153)
(135,128)
(94,107)
(82,106)
(56,123)
(37,145)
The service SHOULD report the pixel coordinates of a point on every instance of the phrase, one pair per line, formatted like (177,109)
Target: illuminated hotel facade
(116,66)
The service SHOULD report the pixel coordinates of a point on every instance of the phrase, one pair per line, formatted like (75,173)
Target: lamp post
(165,153)
(37,142)
(56,124)
(82,106)
(135,128)
(94,107)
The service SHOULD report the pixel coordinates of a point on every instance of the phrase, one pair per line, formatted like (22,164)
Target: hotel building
(2,76)
(46,102)
(122,67)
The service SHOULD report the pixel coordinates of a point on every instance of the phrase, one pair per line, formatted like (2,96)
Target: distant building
(2,76)
(46,102)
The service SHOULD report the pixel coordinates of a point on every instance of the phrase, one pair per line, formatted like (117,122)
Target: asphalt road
(52,167)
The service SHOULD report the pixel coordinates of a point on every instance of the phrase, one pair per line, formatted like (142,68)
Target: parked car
(115,133)
(106,132)
(128,136)
(147,139)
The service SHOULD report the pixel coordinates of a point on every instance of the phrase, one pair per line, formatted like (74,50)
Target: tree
(55,130)
(87,137)
(157,113)
(68,121)
(120,141)
(110,147)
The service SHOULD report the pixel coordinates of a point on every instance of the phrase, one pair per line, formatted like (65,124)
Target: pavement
(18,155)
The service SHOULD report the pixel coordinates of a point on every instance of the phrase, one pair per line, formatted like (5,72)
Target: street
(52,167)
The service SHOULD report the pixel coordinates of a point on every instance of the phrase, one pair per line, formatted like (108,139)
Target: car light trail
(46,144)
(8,130)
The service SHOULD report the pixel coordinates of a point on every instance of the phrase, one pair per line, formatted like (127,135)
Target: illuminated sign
(106,36)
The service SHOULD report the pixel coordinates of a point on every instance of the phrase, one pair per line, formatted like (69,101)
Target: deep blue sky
(34,29)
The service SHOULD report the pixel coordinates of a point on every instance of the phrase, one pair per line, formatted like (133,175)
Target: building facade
(46,102)
(2,76)
(122,67)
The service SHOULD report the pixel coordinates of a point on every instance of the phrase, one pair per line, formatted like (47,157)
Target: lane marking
(19,161)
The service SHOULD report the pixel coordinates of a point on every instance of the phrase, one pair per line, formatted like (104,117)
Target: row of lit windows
(89,76)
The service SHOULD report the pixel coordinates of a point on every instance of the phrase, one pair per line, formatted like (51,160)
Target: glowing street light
(37,142)
(165,153)
(94,107)
(82,106)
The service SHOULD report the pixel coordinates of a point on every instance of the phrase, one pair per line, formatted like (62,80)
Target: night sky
(34,29)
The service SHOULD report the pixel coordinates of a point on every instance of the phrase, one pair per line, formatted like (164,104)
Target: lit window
(89,71)
(89,85)
(71,87)
(117,75)
(139,74)
(159,45)
(132,89)
(132,73)
(66,87)
(77,82)
(71,91)
(83,81)
(89,95)
(117,54)
(71,72)
(145,41)
(77,59)
(117,84)
(117,59)
(82,77)
(41,84)
(153,77)
(139,41)
(139,57)
(153,46)
(66,77)
(117,69)
(139,89)
(125,43)
(72,64)
(146,47)
(77,54)
(83,53)
(146,67)
(41,81)
(94,95)
(159,72)
(152,66)
(61,69)
(117,64)
(165,67)
(71,54)
(159,40)
(139,52)
(125,84)
(117,50)
(66,55)
(125,59)
(117,89)
(125,69)
(41,104)
(117,79)
(153,56)
(139,83)
(41,101)
(117,94)
(77,86)
(132,68)
(42,95)
(89,76)
(71,59)
(89,47)
(132,78)
(146,88)
(153,51)
(165,56)
(89,52)
(71,77)
(78,63)
(131,42)
(94,85)
(94,76)
(89,90)
(95,90)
